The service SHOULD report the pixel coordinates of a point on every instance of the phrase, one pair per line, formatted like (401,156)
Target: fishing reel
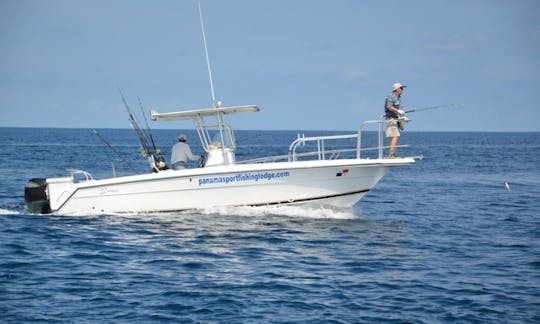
(159,163)
(202,161)
(402,120)
(145,152)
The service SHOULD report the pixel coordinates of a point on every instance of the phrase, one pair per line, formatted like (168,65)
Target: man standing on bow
(393,112)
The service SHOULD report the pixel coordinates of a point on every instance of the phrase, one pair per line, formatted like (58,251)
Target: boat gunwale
(219,170)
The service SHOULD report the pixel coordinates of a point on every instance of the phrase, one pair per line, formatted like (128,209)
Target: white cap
(182,137)
(397,86)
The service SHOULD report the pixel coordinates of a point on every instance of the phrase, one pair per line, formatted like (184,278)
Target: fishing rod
(434,107)
(157,160)
(142,138)
(148,131)
(115,151)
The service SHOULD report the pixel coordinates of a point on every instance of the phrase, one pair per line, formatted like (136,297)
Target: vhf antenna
(214,102)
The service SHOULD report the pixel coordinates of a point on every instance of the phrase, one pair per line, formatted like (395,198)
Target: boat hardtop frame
(220,144)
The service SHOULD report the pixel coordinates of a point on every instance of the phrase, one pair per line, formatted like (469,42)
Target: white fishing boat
(330,170)
(328,175)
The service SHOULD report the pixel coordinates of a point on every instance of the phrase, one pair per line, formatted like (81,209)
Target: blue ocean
(454,238)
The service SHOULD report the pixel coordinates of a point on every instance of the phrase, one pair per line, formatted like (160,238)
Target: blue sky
(313,64)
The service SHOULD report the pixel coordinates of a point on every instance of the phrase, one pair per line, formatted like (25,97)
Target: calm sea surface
(441,241)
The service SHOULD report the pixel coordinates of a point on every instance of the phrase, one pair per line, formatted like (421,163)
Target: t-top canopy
(197,113)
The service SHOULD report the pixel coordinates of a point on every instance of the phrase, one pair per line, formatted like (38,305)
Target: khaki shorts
(392,129)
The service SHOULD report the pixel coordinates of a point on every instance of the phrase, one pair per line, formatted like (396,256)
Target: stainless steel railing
(328,147)
(321,142)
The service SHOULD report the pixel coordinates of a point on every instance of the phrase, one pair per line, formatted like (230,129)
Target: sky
(312,64)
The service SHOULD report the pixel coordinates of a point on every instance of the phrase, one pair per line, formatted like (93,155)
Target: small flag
(342,173)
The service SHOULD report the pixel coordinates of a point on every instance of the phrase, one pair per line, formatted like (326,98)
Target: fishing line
(120,155)
(453,105)
(484,141)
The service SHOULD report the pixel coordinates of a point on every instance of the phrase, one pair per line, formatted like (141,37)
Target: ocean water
(442,241)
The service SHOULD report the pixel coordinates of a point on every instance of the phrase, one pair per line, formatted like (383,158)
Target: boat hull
(336,182)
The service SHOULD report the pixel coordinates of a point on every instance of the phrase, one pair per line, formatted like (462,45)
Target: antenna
(207,57)
(216,104)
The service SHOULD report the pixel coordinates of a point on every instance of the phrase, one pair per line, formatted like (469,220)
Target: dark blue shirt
(392,100)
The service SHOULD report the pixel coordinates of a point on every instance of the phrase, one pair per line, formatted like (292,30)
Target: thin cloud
(353,73)
(459,43)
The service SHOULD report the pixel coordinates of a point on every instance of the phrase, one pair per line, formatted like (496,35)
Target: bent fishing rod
(434,107)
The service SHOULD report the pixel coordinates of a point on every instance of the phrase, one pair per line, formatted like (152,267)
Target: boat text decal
(244,177)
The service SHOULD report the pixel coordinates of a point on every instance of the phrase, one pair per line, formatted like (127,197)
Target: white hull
(334,182)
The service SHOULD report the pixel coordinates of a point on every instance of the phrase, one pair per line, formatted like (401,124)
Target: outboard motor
(35,196)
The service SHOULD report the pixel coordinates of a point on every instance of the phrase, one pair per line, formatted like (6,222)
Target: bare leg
(393,143)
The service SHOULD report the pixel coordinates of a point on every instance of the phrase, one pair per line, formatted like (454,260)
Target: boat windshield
(215,137)
(216,140)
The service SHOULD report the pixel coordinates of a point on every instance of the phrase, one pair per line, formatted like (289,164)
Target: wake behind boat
(333,173)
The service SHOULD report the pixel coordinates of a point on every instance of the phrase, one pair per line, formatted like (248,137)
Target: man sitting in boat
(181,154)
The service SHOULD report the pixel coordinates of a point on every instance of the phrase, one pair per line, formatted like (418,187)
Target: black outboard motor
(35,196)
